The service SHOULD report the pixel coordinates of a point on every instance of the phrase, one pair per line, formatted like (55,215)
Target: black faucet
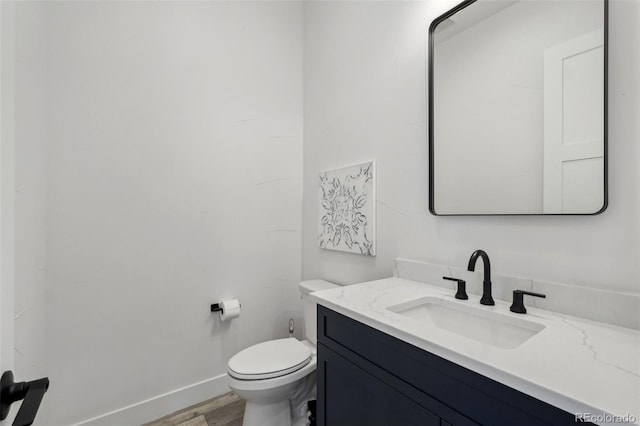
(486,283)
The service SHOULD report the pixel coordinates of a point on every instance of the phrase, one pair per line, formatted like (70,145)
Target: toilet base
(269,414)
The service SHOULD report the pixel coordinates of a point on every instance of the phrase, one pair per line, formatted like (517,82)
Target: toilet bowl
(273,374)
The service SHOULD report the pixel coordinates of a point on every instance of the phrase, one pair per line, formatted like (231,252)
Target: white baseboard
(161,405)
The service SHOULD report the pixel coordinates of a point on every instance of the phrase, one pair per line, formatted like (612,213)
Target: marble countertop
(578,365)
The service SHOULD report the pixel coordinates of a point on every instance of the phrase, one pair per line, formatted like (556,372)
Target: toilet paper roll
(230,309)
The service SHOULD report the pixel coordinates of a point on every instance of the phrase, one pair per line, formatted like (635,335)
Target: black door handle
(32,393)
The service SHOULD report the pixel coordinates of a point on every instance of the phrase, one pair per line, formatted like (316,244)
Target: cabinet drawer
(476,397)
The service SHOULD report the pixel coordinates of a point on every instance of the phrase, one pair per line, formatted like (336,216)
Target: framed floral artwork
(347,209)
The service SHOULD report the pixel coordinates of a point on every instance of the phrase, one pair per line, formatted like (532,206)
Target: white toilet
(270,375)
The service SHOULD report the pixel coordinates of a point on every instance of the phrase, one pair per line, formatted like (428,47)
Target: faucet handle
(518,300)
(462,287)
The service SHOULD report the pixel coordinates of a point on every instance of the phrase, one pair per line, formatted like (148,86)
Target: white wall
(30,191)
(173,180)
(7,181)
(364,97)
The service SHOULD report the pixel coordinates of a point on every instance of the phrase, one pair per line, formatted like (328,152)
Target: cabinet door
(356,398)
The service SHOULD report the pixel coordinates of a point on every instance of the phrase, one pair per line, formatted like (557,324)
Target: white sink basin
(472,322)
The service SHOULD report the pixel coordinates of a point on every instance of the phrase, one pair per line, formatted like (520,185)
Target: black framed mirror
(518,108)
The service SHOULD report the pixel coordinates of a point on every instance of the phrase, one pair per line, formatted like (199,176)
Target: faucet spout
(486,282)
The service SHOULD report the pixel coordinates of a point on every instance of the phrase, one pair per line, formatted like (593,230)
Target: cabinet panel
(356,398)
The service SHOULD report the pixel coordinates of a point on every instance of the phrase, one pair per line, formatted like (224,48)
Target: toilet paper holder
(216,307)
(227,309)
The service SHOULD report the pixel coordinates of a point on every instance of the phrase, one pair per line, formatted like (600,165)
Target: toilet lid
(269,359)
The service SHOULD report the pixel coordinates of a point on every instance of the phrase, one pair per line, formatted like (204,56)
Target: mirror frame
(430,128)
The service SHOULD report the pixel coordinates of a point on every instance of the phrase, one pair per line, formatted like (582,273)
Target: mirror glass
(517,108)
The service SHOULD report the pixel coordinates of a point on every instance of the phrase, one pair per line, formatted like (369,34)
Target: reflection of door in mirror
(573,125)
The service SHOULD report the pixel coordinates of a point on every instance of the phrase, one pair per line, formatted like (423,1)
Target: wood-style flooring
(224,410)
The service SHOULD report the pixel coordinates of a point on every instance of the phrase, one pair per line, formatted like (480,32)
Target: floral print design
(346,209)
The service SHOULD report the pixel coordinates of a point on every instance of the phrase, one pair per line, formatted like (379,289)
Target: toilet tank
(309,308)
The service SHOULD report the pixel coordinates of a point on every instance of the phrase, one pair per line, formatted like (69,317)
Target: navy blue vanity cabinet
(359,398)
(369,378)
